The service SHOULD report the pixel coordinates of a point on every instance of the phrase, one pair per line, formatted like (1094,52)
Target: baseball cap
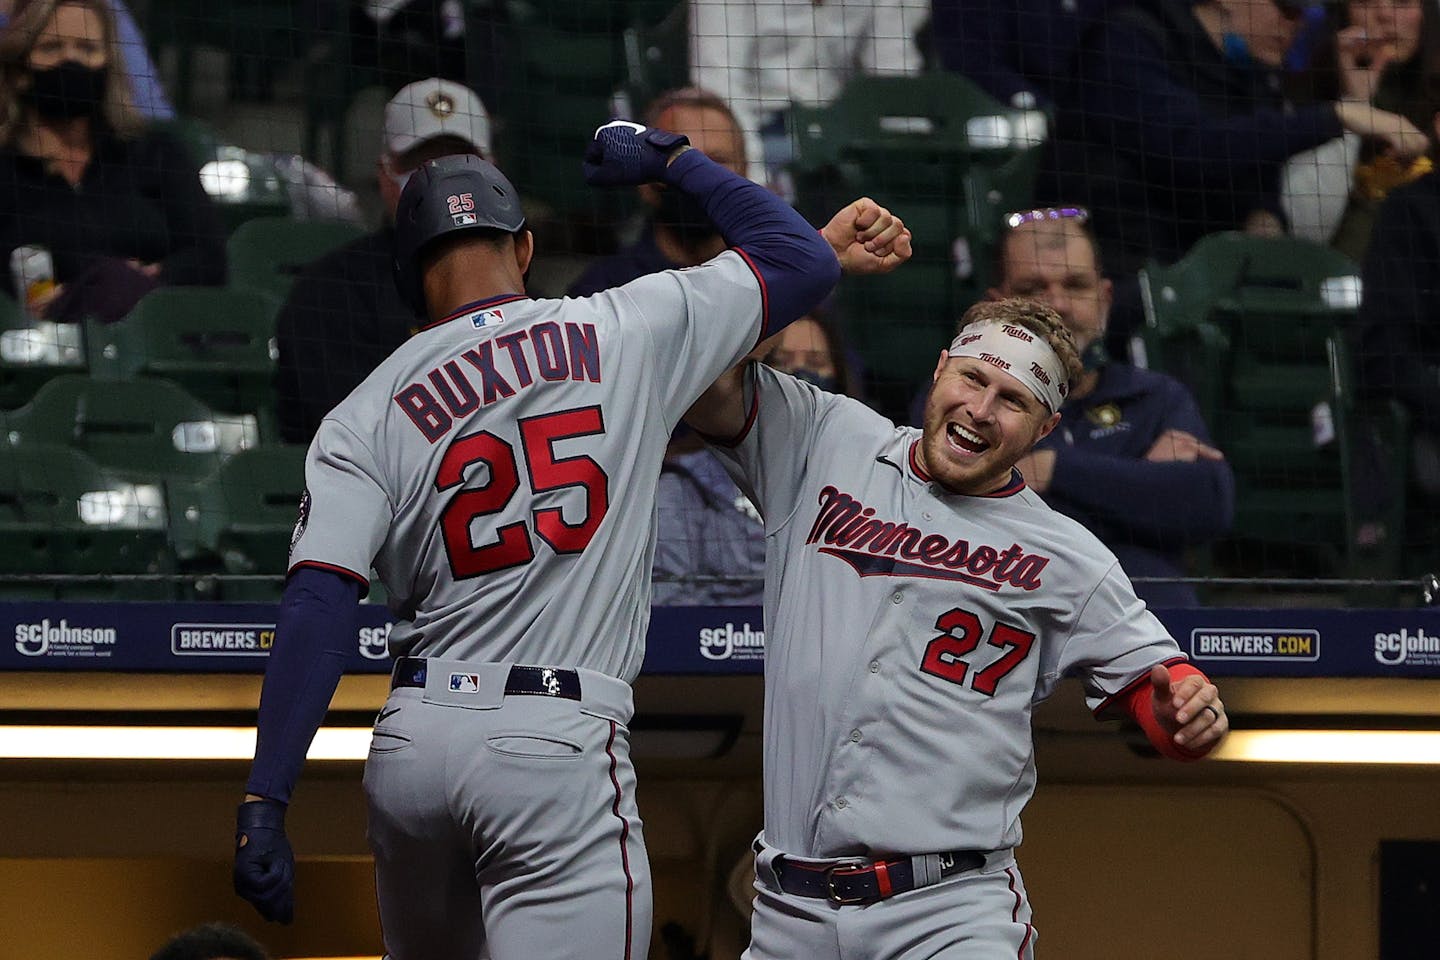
(433,108)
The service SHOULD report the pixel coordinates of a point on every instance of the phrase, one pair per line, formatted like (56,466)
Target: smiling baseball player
(919,601)
(498,472)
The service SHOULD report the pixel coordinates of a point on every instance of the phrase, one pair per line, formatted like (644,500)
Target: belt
(860,883)
(522,681)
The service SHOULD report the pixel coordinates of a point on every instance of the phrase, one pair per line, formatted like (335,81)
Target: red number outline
(549,472)
(512,545)
(1003,635)
(943,654)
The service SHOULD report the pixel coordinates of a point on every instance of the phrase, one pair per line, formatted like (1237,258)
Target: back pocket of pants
(533,746)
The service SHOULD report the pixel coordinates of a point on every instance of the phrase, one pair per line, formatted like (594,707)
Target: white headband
(1019,352)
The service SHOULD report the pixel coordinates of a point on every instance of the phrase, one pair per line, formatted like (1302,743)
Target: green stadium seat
(239,520)
(145,429)
(259,36)
(951,161)
(565,62)
(217,343)
(243,184)
(32,352)
(61,514)
(266,253)
(657,52)
(1254,326)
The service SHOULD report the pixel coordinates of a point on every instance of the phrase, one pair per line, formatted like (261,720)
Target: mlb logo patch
(464,219)
(486,318)
(464,683)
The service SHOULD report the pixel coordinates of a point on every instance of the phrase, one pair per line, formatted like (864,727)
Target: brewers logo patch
(440,104)
(1105,415)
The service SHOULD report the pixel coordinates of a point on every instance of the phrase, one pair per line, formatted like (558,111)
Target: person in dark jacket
(344,315)
(116,207)
(1131,458)
(677,233)
(710,540)
(1396,339)
(1021,52)
(1177,126)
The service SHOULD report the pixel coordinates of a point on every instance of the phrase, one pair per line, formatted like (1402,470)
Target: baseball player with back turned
(919,601)
(498,472)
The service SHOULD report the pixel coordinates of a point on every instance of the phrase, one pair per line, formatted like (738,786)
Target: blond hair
(1036,317)
(28,20)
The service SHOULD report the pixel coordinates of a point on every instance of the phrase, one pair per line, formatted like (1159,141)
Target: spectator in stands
(344,315)
(1331,193)
(212,941)
(710,540)
(118,206)
(709,544)
(401,39)
(1019,51)
(760,56)
(147,95)
(1131,458)
(677,232)
(1397,335)
(708,532)
(1176,126)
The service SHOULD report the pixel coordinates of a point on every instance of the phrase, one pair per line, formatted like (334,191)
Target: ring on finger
(1212,708)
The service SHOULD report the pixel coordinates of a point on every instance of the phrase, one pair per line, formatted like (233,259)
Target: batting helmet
(444,196)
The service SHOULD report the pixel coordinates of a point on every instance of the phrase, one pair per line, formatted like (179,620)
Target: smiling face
(979,420)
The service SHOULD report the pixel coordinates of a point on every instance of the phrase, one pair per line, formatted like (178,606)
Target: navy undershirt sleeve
(313,638)
(795,264)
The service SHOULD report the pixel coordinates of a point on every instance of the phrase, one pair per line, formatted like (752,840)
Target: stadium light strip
(39,742)
(1414,747)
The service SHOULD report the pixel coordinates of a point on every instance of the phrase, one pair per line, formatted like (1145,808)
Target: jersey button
(855,736)
(895,597)
(927,516)
(874,666)
(841,803)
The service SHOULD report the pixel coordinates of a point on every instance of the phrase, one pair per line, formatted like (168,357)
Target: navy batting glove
(625,154)
(264,864)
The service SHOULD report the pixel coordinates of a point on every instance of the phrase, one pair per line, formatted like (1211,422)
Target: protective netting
(1229,202)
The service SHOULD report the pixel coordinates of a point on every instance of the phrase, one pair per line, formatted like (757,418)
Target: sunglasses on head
(1046,214)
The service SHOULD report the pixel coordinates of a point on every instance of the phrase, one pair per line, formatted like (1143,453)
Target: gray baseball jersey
(909,631)
(499,473)
(499,469)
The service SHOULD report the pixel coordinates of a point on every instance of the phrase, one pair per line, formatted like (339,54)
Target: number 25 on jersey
(512,544)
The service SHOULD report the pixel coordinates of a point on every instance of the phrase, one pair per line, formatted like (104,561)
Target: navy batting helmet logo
(444,196)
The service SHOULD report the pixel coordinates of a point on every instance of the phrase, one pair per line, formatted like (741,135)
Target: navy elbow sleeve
(793,263)
(313,638)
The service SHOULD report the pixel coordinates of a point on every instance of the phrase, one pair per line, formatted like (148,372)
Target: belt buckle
(834,895)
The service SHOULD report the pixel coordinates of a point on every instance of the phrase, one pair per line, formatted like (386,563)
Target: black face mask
(67,91)
(682,214)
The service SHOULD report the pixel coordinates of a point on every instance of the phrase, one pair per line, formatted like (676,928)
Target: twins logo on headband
(1020,353)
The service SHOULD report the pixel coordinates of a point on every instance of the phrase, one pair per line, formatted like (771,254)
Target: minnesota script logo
(881,548)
